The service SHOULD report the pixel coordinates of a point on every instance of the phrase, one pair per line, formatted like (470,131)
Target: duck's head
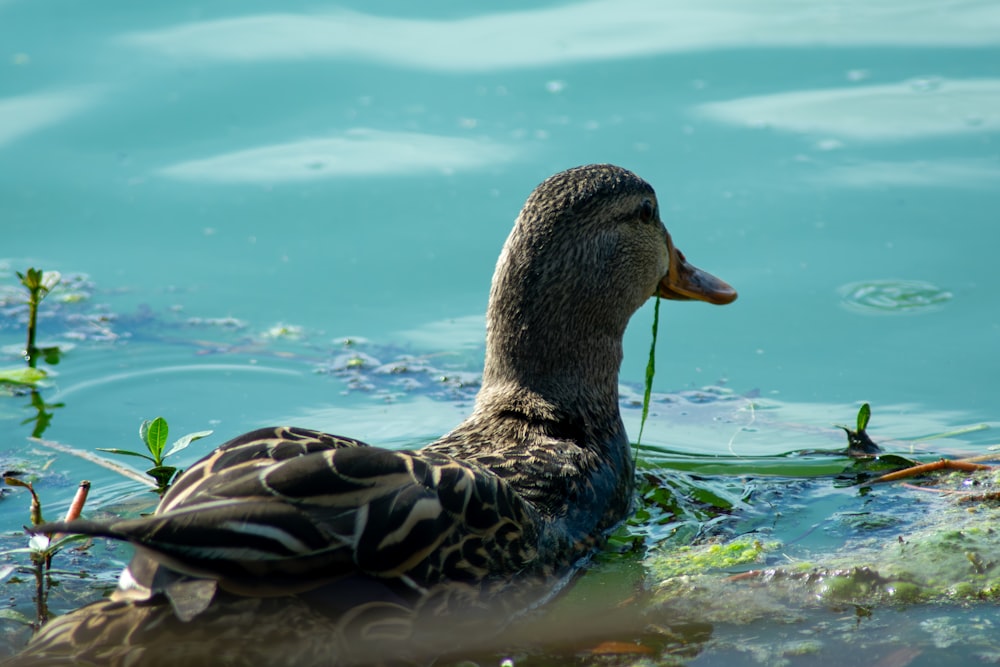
(587,250)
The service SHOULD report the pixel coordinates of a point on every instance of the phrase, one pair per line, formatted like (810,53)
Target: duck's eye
(646,210)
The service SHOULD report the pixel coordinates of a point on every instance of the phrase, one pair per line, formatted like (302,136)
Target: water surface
(245,187)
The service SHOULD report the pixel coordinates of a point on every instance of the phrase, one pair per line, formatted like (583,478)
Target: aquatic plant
(153,434)
(42,549)
(25,377)
(872,466)
(38,283)
(858,442)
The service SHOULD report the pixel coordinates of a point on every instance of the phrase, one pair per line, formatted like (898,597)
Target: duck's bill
(685,282)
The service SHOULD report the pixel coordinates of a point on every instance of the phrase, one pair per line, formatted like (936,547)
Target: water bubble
(893,296)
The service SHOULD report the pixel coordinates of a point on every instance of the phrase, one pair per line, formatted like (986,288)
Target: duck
(320,549)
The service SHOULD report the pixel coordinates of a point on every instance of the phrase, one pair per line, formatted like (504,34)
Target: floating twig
(76,507)
(942,464)
(978,497)
(123,470)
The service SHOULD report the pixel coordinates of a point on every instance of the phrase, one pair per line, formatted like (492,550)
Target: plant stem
(41,606)
(650,371)
(31,352)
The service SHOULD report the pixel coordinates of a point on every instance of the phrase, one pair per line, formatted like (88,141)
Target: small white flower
(39,543)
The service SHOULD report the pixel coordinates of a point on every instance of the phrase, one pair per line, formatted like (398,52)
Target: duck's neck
(574,373)
(560,375)
(547,420)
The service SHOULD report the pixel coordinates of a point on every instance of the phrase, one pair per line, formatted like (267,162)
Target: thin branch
(943,464)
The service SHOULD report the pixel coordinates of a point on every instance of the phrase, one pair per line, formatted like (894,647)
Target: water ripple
(893,296)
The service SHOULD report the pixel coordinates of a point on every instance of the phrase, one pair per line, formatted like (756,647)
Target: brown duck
(293,546)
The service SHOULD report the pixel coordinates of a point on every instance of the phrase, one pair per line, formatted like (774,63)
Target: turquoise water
(243,187)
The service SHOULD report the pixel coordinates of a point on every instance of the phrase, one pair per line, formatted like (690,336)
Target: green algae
(941,552)
(698,559)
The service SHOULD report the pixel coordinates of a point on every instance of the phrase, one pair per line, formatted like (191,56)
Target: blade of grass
(864,414)
(964,430)
(650,371)
(125,452)
(123,470)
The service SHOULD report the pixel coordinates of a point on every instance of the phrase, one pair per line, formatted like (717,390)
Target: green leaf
(14,481)
(79,574)
(713,500)
(125,452)
(52,354)
(897,461)
(14,615)
(154,434)
(864,414)
(22,375)
(185,440)
(19,550)
(67,539)
(862,470)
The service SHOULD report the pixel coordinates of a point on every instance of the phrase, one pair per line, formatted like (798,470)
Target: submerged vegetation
(42,549)
(858,442)
(39,284)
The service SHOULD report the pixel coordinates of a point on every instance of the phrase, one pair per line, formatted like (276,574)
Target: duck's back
(365,551)
(280,511)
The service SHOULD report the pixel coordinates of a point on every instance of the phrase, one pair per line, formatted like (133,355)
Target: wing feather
(302,508)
